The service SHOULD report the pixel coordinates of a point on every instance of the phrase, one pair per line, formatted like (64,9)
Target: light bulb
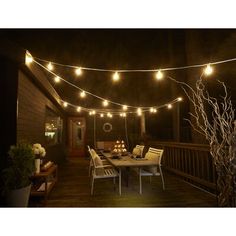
(101,115)
(90,113)
(139,111)
(105,103)
(78,109)
(124,107)
(82,94)
(78,71)
(169,106)
(57,79)
(180,99)
(159,75)
(50,66)
(108,114)
(28,58)
(121,114)
(154,110)
(208,70)
(124,114)
(116,76)
(65,104)
(151,109)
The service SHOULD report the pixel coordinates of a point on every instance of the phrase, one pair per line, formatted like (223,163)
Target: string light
(65,104)
(116,76)
(180,99)
(78,109)
(82,94)
(78,71)
(208,70)
(50,66)
(139,111)
(90,113)
(169,106)
(159,75)
(105,103)
(101,115)
(151,109)
(57,79)
(28,58)
(124,107)
(154,110)
(93,112)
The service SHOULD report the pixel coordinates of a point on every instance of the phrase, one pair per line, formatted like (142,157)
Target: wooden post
(142,123)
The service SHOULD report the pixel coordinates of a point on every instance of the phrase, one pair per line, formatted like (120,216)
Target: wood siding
(32,104)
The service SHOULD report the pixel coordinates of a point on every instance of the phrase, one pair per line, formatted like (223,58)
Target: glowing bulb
(28,58)
(124,107)
(50,66)
(108,114)
(78,109)
(105,103)
(159,75)
(82,94)
(208,70)
(154,110)
(169,106)
(180,99)
(124,114)
(90,113)
(121,114)
(102,115)
(151,109)
(139,111)
(57,79)
(65,104)
(78,71)
(116,76)
(111,116)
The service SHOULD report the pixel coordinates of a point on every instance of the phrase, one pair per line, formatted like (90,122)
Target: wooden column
(142,124)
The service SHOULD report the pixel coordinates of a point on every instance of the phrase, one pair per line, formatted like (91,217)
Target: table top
(127,161)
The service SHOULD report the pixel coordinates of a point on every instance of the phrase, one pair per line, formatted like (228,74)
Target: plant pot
(18,197)
(37,166)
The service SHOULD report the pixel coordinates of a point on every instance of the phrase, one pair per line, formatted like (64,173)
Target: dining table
(126,161)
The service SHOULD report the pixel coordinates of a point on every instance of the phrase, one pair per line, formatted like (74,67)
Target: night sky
(129,49)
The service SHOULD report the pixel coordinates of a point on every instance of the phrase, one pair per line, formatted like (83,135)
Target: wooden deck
(73,190)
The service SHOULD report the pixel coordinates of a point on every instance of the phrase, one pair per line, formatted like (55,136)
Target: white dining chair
(138,150)
(101,171)
(152,154)
(90,150)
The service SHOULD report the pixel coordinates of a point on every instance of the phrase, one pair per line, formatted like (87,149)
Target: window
(53,127)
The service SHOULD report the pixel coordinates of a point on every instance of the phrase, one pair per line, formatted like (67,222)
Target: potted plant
(16,177)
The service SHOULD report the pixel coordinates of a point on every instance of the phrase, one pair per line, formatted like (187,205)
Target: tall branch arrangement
(214,119)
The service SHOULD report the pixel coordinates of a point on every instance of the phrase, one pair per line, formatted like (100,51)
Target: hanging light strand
(138,70)
(87,92)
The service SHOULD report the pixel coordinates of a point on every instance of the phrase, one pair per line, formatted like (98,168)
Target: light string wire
(115,112)
(138,70)
(87,92)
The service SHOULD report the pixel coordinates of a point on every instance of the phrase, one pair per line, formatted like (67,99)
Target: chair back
(97,162)
(141,147)
(138,150)
(155,154)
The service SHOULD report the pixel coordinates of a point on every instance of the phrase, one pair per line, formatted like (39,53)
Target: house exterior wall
(31,115)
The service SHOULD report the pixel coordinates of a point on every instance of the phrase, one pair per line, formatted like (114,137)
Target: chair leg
(162,179)
(120,181)
(140,182)
(92,186)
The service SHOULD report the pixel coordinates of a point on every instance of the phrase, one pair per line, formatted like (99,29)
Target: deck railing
(193,162)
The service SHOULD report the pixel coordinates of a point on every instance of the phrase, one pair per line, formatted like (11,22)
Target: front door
(76,132)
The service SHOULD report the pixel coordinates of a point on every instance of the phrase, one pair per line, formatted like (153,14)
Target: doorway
(76,132)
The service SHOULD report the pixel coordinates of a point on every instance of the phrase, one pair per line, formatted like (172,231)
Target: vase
(37,166)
